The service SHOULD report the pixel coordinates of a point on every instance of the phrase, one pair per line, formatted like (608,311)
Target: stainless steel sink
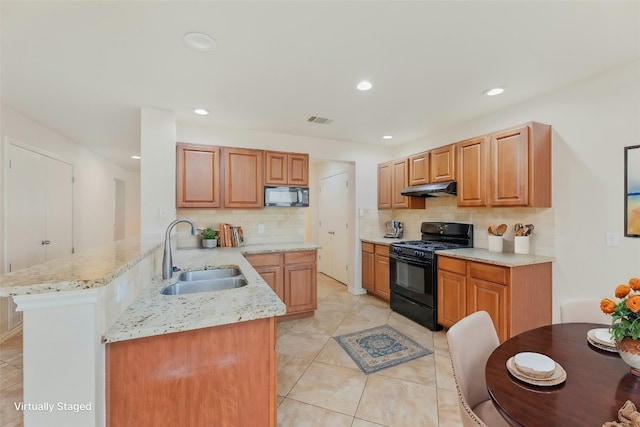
(216,273)
(217,279)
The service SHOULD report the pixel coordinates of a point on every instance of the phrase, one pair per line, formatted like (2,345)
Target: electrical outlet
(613,239)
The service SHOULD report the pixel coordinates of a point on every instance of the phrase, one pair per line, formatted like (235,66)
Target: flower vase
(629,351)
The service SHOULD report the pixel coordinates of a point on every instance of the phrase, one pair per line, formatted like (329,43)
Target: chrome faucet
(167,262)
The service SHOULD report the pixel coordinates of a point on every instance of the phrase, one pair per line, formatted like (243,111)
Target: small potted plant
(209,238)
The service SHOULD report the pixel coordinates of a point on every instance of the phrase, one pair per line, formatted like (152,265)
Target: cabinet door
(300,287)
(443,164)
(381,272)
(419,169)
(384,185)
(452,299)
(298,169)
(492,298)
(197,176)
(273,275)
(400,178)
(243,177)
(368,271)
(473,162)
(276,168)
(510,168)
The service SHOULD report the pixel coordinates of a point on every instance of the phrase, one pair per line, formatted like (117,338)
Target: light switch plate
(613,238)
(260,228)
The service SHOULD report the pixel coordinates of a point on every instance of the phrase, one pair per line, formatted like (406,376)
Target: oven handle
(410,261)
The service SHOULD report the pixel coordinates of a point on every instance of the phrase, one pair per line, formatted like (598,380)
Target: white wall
(157,169)
(592,121)
(93,188)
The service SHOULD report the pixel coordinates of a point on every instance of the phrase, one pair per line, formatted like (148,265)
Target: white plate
(557,377)
(534,365)
(600,336)
(604,336)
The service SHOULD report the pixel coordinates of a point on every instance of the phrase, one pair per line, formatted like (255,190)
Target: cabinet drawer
(488,272)
(259,260)
(367,247)
(299,257)
(382,250)
(452,264)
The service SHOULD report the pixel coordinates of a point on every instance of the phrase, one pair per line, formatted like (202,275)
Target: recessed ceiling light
(387,137)
(200,111)
(200,41)
(364,85)
(136,157)
(494,91)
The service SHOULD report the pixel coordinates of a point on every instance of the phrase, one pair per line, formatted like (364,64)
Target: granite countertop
(506,259)
(88,269)
(152,313)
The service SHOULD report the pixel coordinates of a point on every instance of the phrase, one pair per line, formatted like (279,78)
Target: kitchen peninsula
(72,306)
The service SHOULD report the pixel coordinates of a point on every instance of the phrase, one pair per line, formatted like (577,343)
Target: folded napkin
(628,416)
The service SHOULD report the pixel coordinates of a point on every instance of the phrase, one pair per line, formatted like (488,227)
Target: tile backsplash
(446,209)
(268,225)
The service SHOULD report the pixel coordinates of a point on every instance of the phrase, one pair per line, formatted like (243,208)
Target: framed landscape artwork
(632,191)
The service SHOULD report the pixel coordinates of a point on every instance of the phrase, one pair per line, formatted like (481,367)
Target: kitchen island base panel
(218,376)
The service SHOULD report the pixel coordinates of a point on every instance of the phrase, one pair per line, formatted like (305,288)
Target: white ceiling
(85,68)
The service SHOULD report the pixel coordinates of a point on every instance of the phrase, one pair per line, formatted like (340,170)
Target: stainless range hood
(438,189)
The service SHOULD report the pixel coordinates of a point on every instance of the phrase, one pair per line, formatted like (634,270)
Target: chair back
(583,310)
(471,342)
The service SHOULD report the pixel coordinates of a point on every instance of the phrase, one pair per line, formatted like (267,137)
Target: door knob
(46,242)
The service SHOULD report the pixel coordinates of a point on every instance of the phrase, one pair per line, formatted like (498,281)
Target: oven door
(413,279)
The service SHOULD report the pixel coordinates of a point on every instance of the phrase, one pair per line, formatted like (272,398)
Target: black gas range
(414,270)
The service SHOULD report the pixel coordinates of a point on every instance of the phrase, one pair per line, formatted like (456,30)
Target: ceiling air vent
(320,120)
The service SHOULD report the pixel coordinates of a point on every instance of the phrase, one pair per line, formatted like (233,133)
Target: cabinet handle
(46,242)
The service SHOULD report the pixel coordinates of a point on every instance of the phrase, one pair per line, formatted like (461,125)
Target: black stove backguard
(413,270)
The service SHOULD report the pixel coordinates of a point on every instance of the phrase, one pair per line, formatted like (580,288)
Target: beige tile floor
(318,383)
(10,380)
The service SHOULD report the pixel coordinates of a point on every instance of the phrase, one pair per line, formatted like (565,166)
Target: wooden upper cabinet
(243,178)
(393,177)
(298,169)
(399,181)
(286,169)
(473,165)
(419,169)
(520,166)
(197,176)
(443,163)
(384,185)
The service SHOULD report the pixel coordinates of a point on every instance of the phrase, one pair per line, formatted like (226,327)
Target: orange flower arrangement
(625,314)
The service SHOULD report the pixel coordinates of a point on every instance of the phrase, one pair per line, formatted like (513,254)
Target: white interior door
(39,212)
(26,208)
(334,225)
(59,209)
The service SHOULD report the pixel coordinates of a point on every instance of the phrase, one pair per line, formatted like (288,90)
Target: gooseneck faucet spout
(167,262)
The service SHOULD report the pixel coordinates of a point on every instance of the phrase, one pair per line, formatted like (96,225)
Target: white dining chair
(583,310)
(471,342)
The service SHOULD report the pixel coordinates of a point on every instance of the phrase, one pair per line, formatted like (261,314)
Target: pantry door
(333,231)
(39,210)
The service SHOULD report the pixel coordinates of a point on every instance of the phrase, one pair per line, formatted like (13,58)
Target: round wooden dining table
(598,382)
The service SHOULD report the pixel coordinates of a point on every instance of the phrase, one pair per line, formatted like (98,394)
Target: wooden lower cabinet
(516,298)
(375,269)
(219,376)
(292,276)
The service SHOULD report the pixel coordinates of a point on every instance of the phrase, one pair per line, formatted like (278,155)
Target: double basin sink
(190,282)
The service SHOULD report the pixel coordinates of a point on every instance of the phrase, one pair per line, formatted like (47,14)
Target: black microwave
(286,196)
